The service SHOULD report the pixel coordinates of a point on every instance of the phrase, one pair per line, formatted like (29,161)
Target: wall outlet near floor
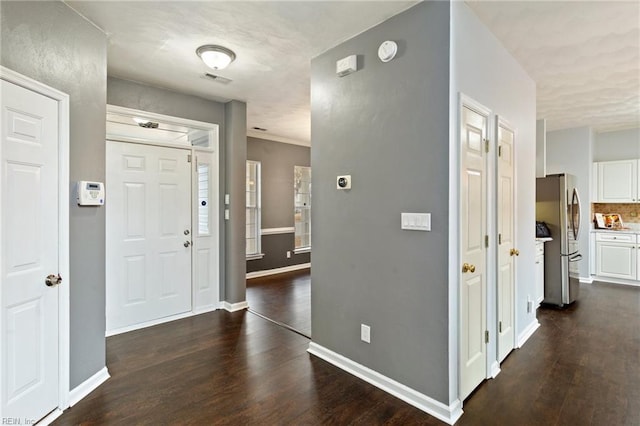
(365,333)
(529,305)
(288,255)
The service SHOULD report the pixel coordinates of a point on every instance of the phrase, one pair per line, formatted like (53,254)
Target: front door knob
(514,252)
(187,243)
(53,280)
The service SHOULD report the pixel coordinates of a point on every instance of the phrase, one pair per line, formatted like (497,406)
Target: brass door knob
(466,267)
(514,252)
(53,280)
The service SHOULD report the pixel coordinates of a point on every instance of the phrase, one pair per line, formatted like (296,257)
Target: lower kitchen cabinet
(617,256)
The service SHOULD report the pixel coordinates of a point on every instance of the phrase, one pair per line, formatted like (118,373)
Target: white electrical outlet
(365,333)
(288,255)
(529,304)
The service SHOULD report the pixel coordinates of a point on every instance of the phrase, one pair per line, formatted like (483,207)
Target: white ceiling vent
(216,78)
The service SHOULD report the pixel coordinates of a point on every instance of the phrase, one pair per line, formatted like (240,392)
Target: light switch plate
(416,221)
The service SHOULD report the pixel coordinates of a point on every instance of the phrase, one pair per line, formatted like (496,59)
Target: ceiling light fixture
(216,57)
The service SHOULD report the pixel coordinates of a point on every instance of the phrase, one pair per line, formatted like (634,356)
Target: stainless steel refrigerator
(558,205)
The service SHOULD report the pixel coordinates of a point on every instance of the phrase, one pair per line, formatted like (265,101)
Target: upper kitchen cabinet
(617,181)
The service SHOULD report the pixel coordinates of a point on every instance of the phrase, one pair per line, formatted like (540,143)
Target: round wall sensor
(387,50)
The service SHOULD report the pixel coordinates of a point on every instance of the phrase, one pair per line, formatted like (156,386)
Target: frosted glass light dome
(216,57)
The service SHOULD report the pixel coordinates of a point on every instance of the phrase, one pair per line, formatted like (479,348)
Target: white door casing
(473,231)
(507,251)
(148,242)
(34,214)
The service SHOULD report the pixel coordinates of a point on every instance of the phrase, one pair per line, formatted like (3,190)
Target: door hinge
(499,238)
(486,241)
(500,151)
(486,145)
(486,336)
(188,158)
(500,326)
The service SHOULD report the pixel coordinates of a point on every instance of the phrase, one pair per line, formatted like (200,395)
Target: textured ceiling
(155,43)
(584,55)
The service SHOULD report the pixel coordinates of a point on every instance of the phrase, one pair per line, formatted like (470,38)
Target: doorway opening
(162,219)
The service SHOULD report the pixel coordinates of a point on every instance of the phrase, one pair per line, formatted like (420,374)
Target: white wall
(570,151)
(619,145)
(482,69)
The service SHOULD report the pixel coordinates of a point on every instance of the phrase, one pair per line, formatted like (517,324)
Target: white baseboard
(495,369)
(528,332)
(233,307)
(588,280)
(284,269)
(88,386)
(447,413)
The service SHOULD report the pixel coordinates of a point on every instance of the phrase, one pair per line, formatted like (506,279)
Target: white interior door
(148,234)
(473,349)
(506,243)
(29,253)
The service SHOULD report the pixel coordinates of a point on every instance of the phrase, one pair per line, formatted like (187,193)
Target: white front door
(506,242)
(473,199)
(148,234)
(28,254)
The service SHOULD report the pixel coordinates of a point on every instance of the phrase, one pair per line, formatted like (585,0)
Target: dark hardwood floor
(284,298)
(582,367)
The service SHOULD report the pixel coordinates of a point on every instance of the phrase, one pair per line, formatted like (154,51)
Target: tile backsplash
(630,212)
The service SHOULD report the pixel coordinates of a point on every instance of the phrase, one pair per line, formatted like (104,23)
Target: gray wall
(235,175)
(277,162)
(139,96)
(49,42)
(618,145)
(570,151)
(388,126)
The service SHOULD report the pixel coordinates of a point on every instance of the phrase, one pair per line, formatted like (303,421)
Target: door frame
(62,100)
(197,307)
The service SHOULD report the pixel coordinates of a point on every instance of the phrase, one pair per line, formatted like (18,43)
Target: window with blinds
(302,207)
(253,208)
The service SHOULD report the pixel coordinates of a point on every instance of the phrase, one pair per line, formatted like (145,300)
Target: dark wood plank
(581,367)
(284,298)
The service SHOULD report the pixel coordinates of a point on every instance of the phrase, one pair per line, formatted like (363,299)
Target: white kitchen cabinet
(617,181)
(539,294)
(617,256)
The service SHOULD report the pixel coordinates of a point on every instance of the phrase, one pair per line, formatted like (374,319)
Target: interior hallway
(582,366)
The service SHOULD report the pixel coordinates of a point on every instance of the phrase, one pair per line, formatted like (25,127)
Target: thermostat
(90,193)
